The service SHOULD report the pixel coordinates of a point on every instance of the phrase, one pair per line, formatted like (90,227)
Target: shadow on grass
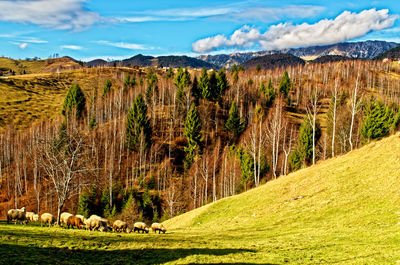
(16,254)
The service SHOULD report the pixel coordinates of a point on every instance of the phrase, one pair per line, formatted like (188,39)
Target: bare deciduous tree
(62,160)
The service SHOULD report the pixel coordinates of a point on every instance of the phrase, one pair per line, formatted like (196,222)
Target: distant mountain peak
(359,50)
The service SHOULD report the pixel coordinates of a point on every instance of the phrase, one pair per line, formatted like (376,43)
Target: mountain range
(160,61)
(357,50)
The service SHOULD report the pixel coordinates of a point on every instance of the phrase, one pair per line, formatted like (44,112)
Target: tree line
(157,143)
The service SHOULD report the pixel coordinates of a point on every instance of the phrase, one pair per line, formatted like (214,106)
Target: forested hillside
(153,143)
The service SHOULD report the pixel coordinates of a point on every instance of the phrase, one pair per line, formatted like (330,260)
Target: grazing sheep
(32,217)
(29,216)
(95,222)
(35,218)
(120,226)
(107,223)
(64,217)
(74,221)
(159,227)
(81,217)
(47,218)
(17,215)
(140,226)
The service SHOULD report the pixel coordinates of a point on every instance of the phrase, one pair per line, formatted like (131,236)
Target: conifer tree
(204,84)
(137,124)
(75,99)
(234,69)
(170,73)
(83,205)
(151,84)
(268,92)
(107,87)
(105,202)
(195,91)
(305,144)
(234,124)
(284,86)
(193,135)
(130,81)
(127,81)
(222,82)
(378,120)
(178,82)
(182,80)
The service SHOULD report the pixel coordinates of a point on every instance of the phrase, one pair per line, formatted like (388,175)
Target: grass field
(345,210)
(25,99)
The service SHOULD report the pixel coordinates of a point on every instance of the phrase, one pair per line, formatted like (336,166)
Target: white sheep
(47,218)
(17,215)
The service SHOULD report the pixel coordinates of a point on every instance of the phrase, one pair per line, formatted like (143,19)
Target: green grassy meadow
(345,210)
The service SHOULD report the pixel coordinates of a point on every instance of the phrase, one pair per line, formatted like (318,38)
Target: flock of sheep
(93,223)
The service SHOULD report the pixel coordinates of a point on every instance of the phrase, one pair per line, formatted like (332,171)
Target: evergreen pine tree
(170,73)
(305,143)
(378,120)
(195,91)
(268,92)
(234,124)
(130,81)
(151,84)
(127,81)
(107,87)
(182,80)
(83,205)
(258,68)
(193,135)
(75,99)
(137,124)
(204,84)
(234,69)
(105,202)
(284,86)
(222,82)
(178,82)
(295,160)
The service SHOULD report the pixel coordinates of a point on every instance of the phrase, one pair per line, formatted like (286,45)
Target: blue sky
(86,29)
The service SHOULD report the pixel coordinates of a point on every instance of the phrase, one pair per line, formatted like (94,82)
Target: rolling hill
(392,54)
(27,98)
(32,66)
(345,210)
(273,61)
(150,61)
(331,58)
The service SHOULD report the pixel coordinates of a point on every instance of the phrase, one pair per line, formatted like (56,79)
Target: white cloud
(125,45)
(344,27)
(237,11)
(33,40)
(59,14)
(72,47)
(23,45)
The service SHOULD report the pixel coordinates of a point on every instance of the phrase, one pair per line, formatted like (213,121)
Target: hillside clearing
(342,211)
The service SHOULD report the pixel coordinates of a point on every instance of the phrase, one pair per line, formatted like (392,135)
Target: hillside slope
(345,210)
(27,98)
